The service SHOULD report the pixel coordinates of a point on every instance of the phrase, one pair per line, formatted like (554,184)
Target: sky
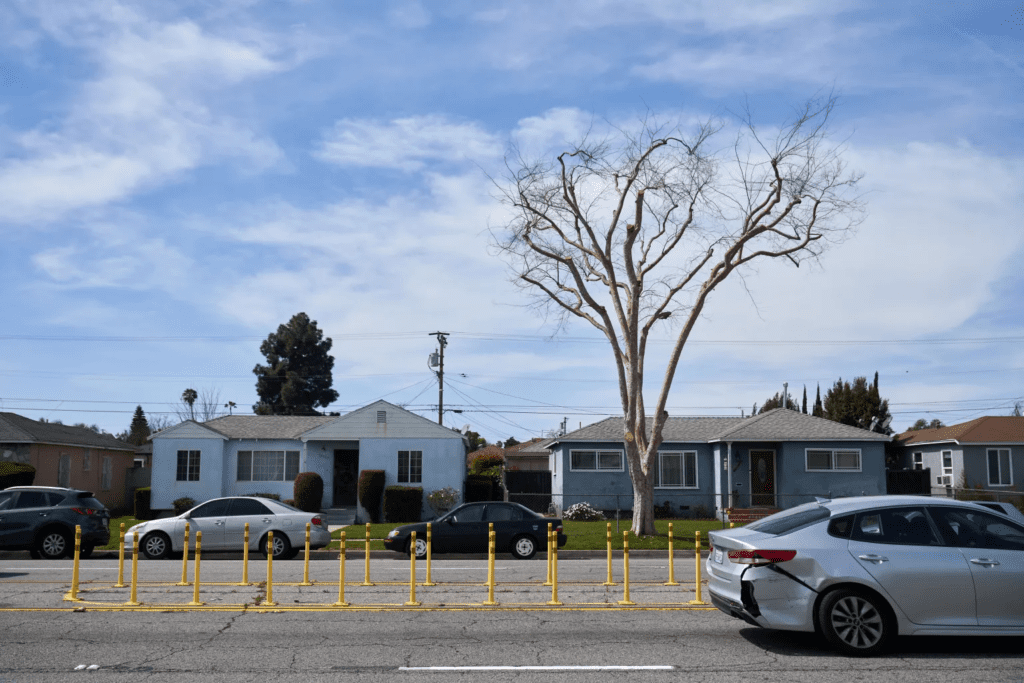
(179,178)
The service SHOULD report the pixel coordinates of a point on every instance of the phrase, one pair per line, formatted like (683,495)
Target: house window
(677,470)
(946,478)
(382,417)
(410,467)
(107,474)
(594,461)
(918,461)
(188,465)
(823,460)
(267,465)
(86,461)
(1000,472)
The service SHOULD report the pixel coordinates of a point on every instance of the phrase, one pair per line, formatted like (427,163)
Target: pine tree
(819,408)
(139,430)
(857,404)
(803,407)
(298,375)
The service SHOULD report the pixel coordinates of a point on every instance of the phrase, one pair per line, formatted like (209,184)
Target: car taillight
(761,557)
(558,529)
(316,521)
(86,511)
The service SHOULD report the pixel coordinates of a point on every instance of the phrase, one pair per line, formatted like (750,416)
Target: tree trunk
(643,512)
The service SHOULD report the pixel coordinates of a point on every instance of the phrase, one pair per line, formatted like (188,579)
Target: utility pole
(437,361)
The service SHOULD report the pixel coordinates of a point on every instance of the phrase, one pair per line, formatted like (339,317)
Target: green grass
(582,535)
(115,530)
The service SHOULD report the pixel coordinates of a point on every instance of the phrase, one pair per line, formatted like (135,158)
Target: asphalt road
(42,643)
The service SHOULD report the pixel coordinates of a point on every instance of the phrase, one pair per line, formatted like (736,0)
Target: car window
(841,527)
(31,499)
(791,520)
(5,500)
(470,513)
(247,506)
(503,513)
(55,498)
(215,508)
(970,529)
(896,526)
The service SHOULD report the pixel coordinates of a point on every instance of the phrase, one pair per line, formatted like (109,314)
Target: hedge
(309,491)
(16,474)
(371,492)
(403,503)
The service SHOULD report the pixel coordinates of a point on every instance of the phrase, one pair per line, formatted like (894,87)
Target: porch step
(741,516)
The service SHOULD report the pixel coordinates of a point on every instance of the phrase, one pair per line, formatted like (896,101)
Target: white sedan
(223,520)
(863,570)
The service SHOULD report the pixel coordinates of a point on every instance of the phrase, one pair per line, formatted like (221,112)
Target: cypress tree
(139,430)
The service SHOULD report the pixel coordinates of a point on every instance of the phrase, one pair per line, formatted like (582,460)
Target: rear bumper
(733,609)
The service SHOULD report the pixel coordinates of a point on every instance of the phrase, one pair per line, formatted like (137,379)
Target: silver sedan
(861,571)
(223,520)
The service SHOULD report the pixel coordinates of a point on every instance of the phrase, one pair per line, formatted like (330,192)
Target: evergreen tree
(139,430)
(819,408)
(776,402)
(924,424)
(803,408)
(298,375)
(856,404)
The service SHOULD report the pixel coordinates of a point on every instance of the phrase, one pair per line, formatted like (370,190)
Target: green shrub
(16,474)
(183,505)
(583,512)
(309,491)
(480,487)
(403,503)
(271,496)
(371,492)
(443,500)
(487,464)
(142,509)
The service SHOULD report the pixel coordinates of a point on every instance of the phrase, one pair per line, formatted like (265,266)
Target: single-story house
(72,457)
(530,456)
(706,465)
(247,454)
(983,452)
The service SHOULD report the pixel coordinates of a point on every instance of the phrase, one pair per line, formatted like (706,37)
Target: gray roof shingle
(15,428)
(266,426)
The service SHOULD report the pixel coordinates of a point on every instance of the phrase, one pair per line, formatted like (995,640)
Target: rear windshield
(790,520)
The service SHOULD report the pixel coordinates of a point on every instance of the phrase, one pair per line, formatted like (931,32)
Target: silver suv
(42,519)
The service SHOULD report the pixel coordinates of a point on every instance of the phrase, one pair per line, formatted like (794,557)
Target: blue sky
(177,179)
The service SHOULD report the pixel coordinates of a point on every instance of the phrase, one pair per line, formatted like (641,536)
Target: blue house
(239,455)
(706,465)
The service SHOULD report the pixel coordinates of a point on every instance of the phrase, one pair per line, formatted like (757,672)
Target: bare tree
(629,232)
(201,405)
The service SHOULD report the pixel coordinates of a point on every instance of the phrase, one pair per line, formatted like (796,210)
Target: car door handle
(219,522)
(266,520)
(984,562)
(877,559)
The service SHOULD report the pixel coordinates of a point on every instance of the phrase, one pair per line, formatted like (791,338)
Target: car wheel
(54,544)
(282,547)
(524,547)
(34,554)
(856,623)
(156,546)
(421,548)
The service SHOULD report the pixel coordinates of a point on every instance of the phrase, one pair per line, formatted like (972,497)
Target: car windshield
(791,520)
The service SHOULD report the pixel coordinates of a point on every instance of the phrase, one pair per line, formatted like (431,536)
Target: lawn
(582,535)
(115,531)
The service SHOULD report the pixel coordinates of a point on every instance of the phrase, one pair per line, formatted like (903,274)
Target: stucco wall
(444,463)
(46,459)
(165,488)
(975,461)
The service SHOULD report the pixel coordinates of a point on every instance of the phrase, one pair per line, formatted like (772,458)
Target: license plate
(718,555)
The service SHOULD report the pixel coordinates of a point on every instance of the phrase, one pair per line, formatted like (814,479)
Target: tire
(156,546)
(34,554)
(53,544)
(524,547)
(282,546)
(421,548)
(857,623)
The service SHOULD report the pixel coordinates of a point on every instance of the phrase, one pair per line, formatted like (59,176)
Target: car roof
(842,505)
(39,488)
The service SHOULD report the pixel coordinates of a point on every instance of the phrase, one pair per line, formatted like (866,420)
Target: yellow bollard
(608,541)
(73,594)
(412,572)
(184,560)
(554,573)
(199,549)
(270,570)
(133,598)
(625,570)
(732,525)
(245,556)
(547,582)
(305,567)
(698,600)
(366,575)
(430,542)
(490,565)
(341,574)
(671,559)
(120,560)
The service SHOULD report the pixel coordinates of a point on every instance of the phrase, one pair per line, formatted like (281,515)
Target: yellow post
(133,598)
(490,565)
(341,574)
(366,575)
(554,573)
(199,550)
(270,570)
(73,594)
(625,570)
(671,559)
(430,542)
(698,600)
(412,572)
(305,564)
(608,541)
(120,559)
(245,556)
(732,525)
(547,582)
(184,560)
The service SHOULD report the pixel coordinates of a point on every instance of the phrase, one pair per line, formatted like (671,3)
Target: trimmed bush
(486,464)
(480,487)
(142,509)
(16,474)
(403,503)
(183,505)
(371,492)
(309,491)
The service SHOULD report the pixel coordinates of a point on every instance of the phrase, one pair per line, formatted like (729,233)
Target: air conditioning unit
(944,480)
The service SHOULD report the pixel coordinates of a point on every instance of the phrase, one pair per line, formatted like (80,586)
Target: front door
(346,477)
(762,479)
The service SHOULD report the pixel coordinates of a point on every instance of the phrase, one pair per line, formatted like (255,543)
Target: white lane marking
(656,667)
